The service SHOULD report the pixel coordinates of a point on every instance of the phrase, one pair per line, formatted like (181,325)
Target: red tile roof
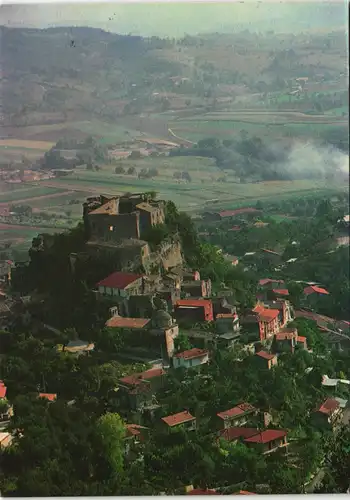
(50,397)
(315,289)
(266,436)
(236,411)
(266,315)
(329,406)
(192,353)
(119,280)
(281,291)
(234,433)
(235,228)
(301,339)
(178,418)
(193,302)
(203,492)
(134,429)
(238,211)
(137,378)
(119,322)
(265,355)
(3,389)
(265,281)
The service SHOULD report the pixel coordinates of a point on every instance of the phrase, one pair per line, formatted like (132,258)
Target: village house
(191,358)
(50,397)
(268,440)
(138,390)
(193,310)
(312,294)
(197,288)
(227,323)
(266,359)
(134,435)
(183,418)
(265,441)
(328,415)
(127,323)
(236,416)
(119,284)
(285,340)
(284,307)
(262,322)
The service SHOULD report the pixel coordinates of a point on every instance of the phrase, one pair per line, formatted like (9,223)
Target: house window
(190,362)
(111,228)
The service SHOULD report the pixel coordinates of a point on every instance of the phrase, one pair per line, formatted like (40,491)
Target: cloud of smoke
(314,161)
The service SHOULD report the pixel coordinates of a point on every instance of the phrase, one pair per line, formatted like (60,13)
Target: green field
(27,192)
(108,133)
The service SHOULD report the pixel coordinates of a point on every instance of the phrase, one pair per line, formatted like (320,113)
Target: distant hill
(66,74)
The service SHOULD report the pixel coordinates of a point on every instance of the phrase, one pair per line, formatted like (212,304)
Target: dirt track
(36,198)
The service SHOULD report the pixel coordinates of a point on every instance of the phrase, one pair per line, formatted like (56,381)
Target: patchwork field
(26,144)
(277,124)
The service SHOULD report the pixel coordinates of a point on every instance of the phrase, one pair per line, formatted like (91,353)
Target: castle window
(111,228)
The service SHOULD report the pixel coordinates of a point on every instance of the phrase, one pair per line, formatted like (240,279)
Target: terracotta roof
(193,302)
(119,322)
(119,280)
(265,355)
(3,389)
(231,213)
(301,339)
(178,418)
(266,314)
(134,429)
(50,397)
(235,228)
(264,281)
(202,492)
(137,378)
(315,289)
(234,433)
(236,411)
(329,406)
(266,436)
(192,353)
(281,291)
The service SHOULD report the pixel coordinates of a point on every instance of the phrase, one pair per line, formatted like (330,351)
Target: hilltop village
(120,344)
